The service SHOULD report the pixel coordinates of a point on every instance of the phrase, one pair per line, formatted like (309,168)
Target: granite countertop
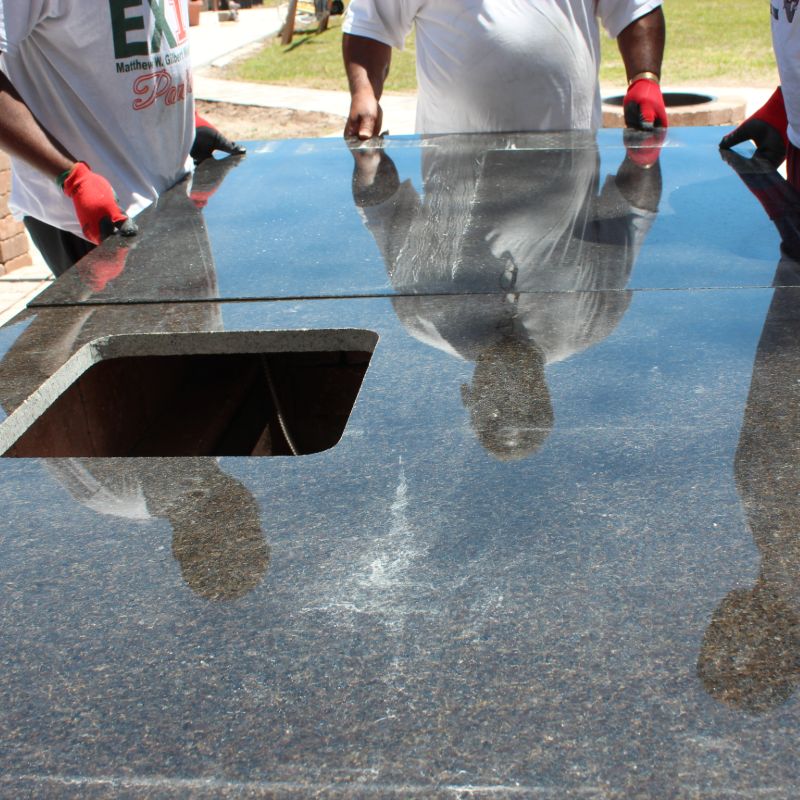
(553,554)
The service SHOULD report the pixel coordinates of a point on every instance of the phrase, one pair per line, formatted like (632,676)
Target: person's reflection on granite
(176,234)
(216,526)
(750,655)
(781,202)
(514,258)
(508,400)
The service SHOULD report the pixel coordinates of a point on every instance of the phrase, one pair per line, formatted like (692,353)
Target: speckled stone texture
(554,553)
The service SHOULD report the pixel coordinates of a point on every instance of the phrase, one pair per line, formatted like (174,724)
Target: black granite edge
(390,295)
(90,786)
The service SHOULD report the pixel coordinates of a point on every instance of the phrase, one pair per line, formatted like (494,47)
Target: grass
(708,42)
(315,61)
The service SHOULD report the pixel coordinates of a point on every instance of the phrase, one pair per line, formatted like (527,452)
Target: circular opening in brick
(671,99)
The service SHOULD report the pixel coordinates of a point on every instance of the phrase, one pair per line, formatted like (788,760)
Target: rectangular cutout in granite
(279,400)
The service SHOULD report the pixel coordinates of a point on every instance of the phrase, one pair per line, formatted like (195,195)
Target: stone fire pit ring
(684,108)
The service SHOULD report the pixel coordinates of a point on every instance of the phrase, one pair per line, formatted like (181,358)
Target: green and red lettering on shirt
(124,24)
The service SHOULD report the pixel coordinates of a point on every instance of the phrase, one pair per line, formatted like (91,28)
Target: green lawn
(708,41)
(315,61)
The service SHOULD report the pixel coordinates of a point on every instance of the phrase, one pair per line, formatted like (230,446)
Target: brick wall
(13,241)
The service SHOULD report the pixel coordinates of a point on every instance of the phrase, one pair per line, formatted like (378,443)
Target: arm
(641,46)
(387,207)
(23,137)
(91,194)
(366,62)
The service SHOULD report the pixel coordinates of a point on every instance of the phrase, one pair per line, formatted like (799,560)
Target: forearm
(366,62)
(23,136)
(96,207)
(641,44)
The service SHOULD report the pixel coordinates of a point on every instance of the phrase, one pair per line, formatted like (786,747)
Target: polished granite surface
(445,215)
(555,553)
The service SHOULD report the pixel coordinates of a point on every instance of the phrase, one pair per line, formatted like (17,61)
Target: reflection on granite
(511,220)
(750,658)
(553,555)
(557,211)
(216,533)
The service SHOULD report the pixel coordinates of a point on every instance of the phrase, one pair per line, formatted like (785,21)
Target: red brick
(13,247)
(5,182)
(4,205)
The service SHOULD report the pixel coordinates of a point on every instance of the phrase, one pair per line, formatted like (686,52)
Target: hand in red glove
(766,128)
(644,105)
(95,204)
(207,139)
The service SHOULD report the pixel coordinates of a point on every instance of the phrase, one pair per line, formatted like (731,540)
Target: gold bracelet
(647,76)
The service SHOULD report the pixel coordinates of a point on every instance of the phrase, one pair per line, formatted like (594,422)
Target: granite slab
(553,555)
(448,215)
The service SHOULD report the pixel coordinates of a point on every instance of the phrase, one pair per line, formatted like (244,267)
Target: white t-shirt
(111,81)
(500,65)
(786,43)
(528,223)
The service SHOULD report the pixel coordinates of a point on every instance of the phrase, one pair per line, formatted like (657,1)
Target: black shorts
(59,249)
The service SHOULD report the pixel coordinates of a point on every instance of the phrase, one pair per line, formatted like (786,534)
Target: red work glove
(767,128)
(207,139)
(95,204)
(644,105)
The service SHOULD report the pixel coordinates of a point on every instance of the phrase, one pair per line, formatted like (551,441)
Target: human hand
(207,139)
(766,128)
(644,105)
(96,204)
(365,117)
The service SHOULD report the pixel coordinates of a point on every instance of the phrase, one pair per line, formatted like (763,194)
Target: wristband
(646,75)
(64,175)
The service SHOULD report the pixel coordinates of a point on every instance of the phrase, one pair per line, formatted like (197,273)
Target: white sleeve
(616,15)
(18,18)
(387,21)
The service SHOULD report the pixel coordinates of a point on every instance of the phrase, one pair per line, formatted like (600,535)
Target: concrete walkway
(214,44)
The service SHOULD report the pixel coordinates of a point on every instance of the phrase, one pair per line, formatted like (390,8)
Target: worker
(775,127)
(97,112)
(495,65)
